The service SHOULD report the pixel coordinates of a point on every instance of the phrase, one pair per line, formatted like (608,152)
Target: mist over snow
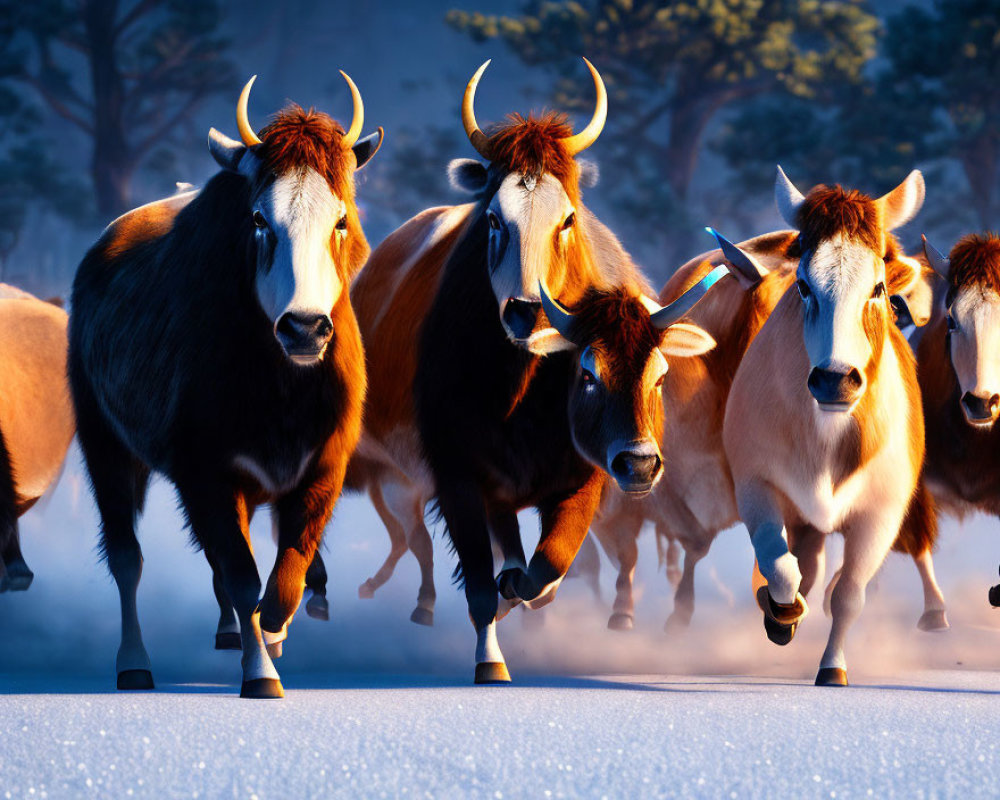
(66,625)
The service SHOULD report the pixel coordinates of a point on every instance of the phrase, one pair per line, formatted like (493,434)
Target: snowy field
(377,706)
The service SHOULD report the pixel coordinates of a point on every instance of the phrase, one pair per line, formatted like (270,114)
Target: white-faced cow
(36,417)
(695,499)
(393,294)
(213,340)
(958,364)
(830,365)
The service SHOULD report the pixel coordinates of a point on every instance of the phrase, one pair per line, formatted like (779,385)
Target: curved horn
(787,198)
(669,314)
(559,317)
(479,140)
(358,120)
(579,142)
(250,139)
(940,263)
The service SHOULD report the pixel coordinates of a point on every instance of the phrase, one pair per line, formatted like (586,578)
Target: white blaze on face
(841,276)
(302,213)
(528,220)
(975,340)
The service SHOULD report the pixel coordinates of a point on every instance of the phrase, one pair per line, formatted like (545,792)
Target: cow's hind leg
(397,543)
(680,617)
(227,633)
(935,617)
(318,607)
(15,576)
(422,548)
(587,566)
(809,547)
(119,483)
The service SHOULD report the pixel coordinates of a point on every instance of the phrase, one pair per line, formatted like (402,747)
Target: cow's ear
(682,340)
(365,148)
(590,173)
(467,175)
(226,152)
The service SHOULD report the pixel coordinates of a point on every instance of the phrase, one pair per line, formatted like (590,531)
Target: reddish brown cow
(958,362)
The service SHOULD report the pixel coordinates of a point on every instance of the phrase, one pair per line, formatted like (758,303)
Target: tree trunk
(687,124)
(112,160)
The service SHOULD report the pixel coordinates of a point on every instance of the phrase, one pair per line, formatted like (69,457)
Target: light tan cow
(831,366)
(36,416)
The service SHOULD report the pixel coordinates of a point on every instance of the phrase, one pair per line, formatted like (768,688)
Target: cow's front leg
(301,515)
(219,520)
(565,523)
(462,507)
(780,599)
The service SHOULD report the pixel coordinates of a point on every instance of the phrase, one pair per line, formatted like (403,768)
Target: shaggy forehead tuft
(297,138)
(975,261)
(831,210)
(533,146)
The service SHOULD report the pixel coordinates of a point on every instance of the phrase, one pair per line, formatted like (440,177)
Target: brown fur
(532,145)
(975,261)
(296,139)
(832,210)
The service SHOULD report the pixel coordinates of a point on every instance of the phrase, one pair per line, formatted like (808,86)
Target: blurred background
(105,104)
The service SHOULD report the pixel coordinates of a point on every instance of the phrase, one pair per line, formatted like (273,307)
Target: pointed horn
(940,263)
(749,267)
(669,314)
(479,140)
(787,198)
(358,120)
(250,139)
(579,142)
(559,318)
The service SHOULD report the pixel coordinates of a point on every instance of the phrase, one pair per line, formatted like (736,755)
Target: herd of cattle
(513,356)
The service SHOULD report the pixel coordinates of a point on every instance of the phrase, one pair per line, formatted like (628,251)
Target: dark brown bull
(213,340)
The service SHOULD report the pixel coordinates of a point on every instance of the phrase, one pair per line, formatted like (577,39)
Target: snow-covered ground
(377,706)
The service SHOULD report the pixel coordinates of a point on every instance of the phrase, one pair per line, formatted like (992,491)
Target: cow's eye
(804,291)
(259,221)
(878,291)
(588,378)
(570,221)
(342,223)
(952,325)
(494,220)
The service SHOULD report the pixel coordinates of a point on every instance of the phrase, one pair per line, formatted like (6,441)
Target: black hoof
(318,607)
(780,621)
(995,596)
(19,582)
(933,621)
(492,672)
(262,689)
(422,616)
(621,622)
(135,680)
(228,641)
(831,676)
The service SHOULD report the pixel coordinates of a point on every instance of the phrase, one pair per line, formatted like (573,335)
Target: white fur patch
(302,211)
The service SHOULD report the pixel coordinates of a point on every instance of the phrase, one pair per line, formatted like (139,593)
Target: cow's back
(36,411)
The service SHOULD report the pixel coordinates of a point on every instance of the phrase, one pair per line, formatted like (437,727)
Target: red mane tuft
(298,138)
